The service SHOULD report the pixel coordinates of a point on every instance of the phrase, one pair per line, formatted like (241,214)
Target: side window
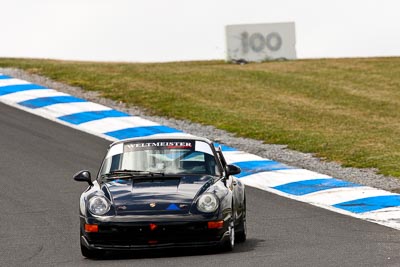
(110,164)
(210,164)
(221,158)
(106,166)
(115,162)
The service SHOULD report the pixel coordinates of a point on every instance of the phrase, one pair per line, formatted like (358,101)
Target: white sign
(260,42)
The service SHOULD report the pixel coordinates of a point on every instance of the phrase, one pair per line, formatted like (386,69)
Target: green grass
(344,110)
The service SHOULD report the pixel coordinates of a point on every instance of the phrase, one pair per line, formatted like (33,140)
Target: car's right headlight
(207,202)
(99,205)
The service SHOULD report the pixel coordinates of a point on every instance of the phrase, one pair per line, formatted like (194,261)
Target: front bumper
(139,235)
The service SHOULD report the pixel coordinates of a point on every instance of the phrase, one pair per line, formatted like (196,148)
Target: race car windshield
(168,157)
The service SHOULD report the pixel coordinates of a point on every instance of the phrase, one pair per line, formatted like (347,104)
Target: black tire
(241,234)
(91,254)
(230,243)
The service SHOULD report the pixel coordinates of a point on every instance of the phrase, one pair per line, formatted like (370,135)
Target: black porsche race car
(161,192)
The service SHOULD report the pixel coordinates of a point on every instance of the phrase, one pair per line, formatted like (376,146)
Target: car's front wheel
(241,233)
(91,254)
(230,243)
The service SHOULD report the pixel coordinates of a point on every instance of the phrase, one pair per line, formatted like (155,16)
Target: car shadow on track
(247,246)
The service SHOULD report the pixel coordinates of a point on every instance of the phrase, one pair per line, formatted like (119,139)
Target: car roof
(161,137)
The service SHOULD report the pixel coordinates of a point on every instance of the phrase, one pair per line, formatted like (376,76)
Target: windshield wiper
(124,174)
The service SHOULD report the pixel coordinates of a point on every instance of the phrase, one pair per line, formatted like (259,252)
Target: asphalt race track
(39,213)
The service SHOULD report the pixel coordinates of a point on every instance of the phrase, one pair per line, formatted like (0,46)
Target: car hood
(165,195)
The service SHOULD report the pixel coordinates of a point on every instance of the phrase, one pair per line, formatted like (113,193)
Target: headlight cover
(99,205)
(207,202)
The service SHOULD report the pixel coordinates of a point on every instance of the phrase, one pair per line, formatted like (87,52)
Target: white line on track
(114,124)
(30,94)
(270,179)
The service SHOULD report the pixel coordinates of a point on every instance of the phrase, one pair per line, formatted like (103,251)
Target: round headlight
(99,205)
(207,203)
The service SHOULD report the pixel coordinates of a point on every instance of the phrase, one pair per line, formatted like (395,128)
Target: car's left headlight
(207,202)
(99,205)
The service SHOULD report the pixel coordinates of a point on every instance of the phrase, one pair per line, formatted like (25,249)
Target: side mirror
(232,169)
(83,176)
